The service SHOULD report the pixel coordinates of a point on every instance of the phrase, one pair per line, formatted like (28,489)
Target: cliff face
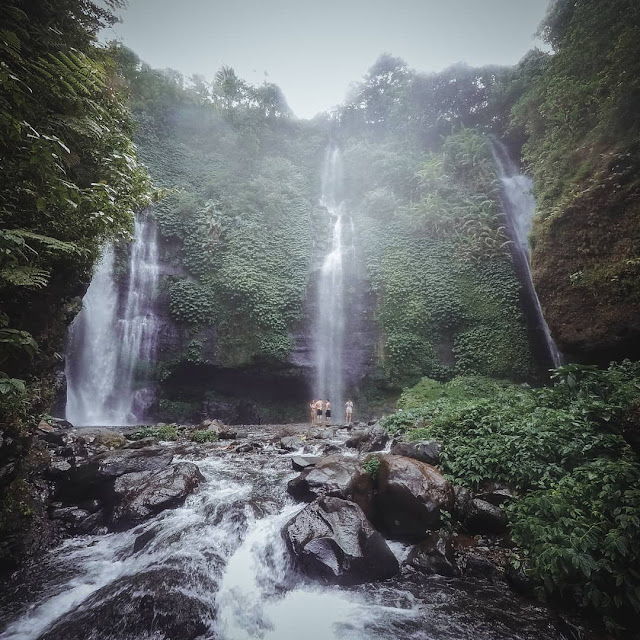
(586,266)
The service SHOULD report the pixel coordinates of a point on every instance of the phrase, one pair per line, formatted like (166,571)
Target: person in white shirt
(348,409)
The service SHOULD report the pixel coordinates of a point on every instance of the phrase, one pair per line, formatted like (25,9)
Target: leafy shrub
(372,466)
(204,435)
(167,433)
(579,516)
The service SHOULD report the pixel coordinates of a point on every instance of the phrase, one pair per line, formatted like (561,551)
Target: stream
(218,567)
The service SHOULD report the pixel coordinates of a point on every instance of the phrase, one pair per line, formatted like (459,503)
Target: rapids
(217,567)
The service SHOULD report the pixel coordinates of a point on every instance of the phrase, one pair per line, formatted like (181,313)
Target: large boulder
(94,477)
(338,477)
(152,603)
(140,495)
(435,555)
(332,540)
(411,495)
(291,443)
(426,450)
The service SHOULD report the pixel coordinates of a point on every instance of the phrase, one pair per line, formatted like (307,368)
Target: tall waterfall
(330,321)
(114,337)
(520,205)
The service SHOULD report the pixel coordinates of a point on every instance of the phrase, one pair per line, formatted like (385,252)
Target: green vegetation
(70,179)
(372,466)
(579,116)
(562,448)
(438,260)
(166,433)
(204,436)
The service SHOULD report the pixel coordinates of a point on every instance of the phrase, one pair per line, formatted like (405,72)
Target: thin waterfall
(520,206)
(112,341)
(330,321)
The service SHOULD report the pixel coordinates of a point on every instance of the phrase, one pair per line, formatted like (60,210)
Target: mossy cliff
(582,131)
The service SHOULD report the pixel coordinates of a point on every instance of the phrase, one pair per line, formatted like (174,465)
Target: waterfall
(519,206)
(114,337)
(330,321)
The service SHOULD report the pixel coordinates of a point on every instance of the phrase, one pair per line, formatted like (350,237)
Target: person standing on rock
(312,406)
(318,411)
(327,413)
(348,410)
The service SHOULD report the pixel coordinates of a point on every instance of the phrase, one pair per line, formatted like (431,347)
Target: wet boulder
(435,555)
(426,451)
(484,517)
(149,604)
(140,495)
(338,477)
(374,438)
(291,443)
(411,495)
(332,540)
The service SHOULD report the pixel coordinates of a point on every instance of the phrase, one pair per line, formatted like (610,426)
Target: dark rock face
(338,477)
(235,412)
(332,540)
(425,451)
(462,503)
(481,568)
(152,604)
(411,495)
(434,556)
(483,517)
(140,495)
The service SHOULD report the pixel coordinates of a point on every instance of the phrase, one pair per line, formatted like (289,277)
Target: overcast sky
(314,49)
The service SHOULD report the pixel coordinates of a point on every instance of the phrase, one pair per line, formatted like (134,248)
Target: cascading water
(112,340)
(218,568)
(331,318)
(520,205)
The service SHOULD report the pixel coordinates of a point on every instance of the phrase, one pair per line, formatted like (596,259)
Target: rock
(322,434)
(426,451)
(45,427)
(248,447)
(411,495)
(142,443)
(291,443)
(496,494)
(300,463)
(227,433)
(332,540)
(375,439)
(483,517)
(481,568)
(152,603)
(330,449)
(143,540)
(519,581)
(462,503)
(434,556)
(354,441)
(95,476)
(338,477)
(140,495)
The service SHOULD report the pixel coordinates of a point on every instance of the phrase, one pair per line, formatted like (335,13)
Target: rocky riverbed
(273,532)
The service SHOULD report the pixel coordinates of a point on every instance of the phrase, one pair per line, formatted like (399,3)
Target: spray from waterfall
(112,341)
(520,205)
(330,322)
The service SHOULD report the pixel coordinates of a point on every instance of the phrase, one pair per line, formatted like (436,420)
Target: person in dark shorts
(318,411)
(327,412)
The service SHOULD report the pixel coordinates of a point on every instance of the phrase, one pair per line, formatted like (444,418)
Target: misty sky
(314,49)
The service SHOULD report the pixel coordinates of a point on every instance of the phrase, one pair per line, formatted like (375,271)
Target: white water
(520,207)
(220,562)
(112,340)
(329,333)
